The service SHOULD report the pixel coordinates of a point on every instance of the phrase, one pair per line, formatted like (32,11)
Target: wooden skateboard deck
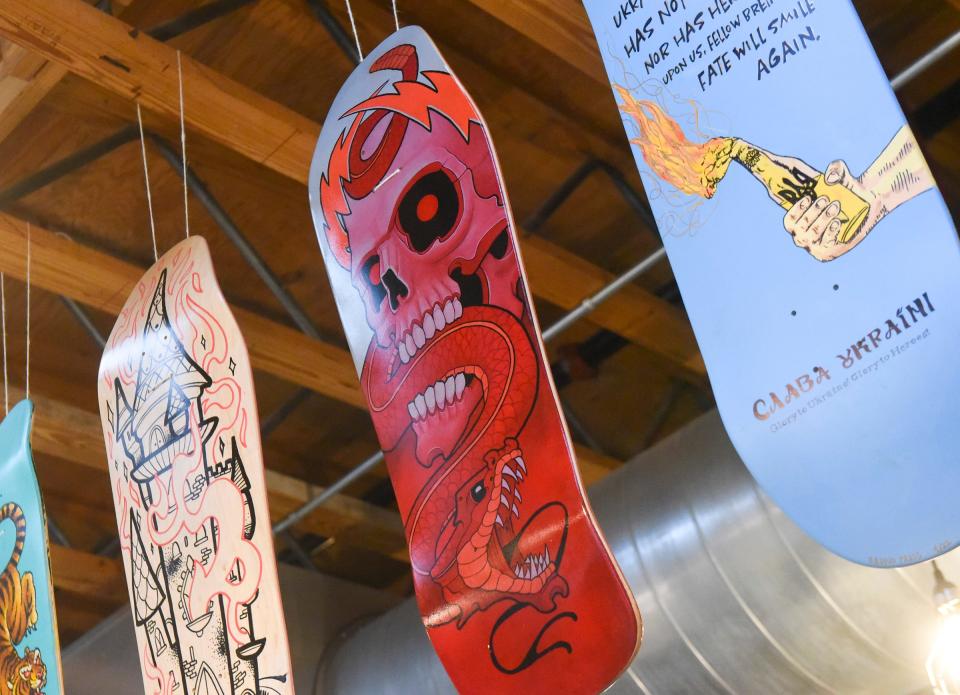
(30,647)
(183,447)
(515,583)
(817,261)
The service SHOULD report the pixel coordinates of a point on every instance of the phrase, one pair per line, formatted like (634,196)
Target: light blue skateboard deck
(816,258)
(25,581)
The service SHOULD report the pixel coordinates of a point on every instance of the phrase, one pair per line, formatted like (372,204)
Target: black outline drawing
(198,652)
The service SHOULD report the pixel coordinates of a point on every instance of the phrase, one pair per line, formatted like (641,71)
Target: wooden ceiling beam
(26,79)
(130,64)
(565,279)
(103,282)
(561,28)
(93,576)
(74,435)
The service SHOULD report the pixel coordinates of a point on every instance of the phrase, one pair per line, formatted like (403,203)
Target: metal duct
(735,598)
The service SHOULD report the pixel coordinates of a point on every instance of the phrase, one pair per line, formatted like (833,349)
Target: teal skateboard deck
(816,258)
(182,436)
(29,643)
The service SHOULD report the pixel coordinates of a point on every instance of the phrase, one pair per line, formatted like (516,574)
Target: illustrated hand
(815,224)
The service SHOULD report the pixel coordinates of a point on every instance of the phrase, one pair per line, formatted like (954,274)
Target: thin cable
(28,312)
(353,25)
(396,15)
(146,181)
(183,149)
(3,320)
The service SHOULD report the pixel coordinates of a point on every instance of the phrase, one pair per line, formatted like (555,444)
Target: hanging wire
(3,320)
(146,181)
(396,15)
(183,148)
(28,312)
(353,25)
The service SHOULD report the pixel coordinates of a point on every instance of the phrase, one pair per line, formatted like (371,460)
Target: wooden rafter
(89,575)
(561,28)
(103,282)
(26,79)
(73,435)
(114,56)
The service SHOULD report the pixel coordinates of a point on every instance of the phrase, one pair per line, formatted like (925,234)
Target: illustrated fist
(815,225)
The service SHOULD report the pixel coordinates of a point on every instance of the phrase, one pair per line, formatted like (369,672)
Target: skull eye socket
(371,278)
(429,209)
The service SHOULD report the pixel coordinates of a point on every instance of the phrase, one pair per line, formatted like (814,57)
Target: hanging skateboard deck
(30,647)
(515,583)
(817,261)
(183,446)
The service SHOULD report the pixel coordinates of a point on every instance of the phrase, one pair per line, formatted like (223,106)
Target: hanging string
(28,311)
(353,25)
(396,16)
(146,181)
(183,149)
(3,320)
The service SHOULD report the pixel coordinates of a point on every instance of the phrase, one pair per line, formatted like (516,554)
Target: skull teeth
(421,331)
(437,396)
(421,404)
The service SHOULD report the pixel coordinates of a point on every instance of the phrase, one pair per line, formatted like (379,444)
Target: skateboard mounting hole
(836,288)
(793,313)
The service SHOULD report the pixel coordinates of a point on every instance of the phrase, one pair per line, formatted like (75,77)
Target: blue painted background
(18,483)
(872,474)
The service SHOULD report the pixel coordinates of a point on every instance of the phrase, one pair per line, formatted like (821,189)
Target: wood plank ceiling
(258,80)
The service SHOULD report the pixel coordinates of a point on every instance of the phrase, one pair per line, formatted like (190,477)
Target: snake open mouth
(481,541)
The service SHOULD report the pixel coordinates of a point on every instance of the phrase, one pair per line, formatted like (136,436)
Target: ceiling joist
(100,281)
(74,435)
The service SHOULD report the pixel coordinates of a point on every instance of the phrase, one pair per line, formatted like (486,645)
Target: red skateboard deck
(514,580)
(30,648)
(183,447)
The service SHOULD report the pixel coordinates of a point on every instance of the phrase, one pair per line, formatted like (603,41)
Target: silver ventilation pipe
(735,598)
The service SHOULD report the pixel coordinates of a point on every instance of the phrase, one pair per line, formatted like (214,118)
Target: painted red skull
(443,244)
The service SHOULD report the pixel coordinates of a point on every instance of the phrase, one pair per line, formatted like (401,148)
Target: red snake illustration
(471,498)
